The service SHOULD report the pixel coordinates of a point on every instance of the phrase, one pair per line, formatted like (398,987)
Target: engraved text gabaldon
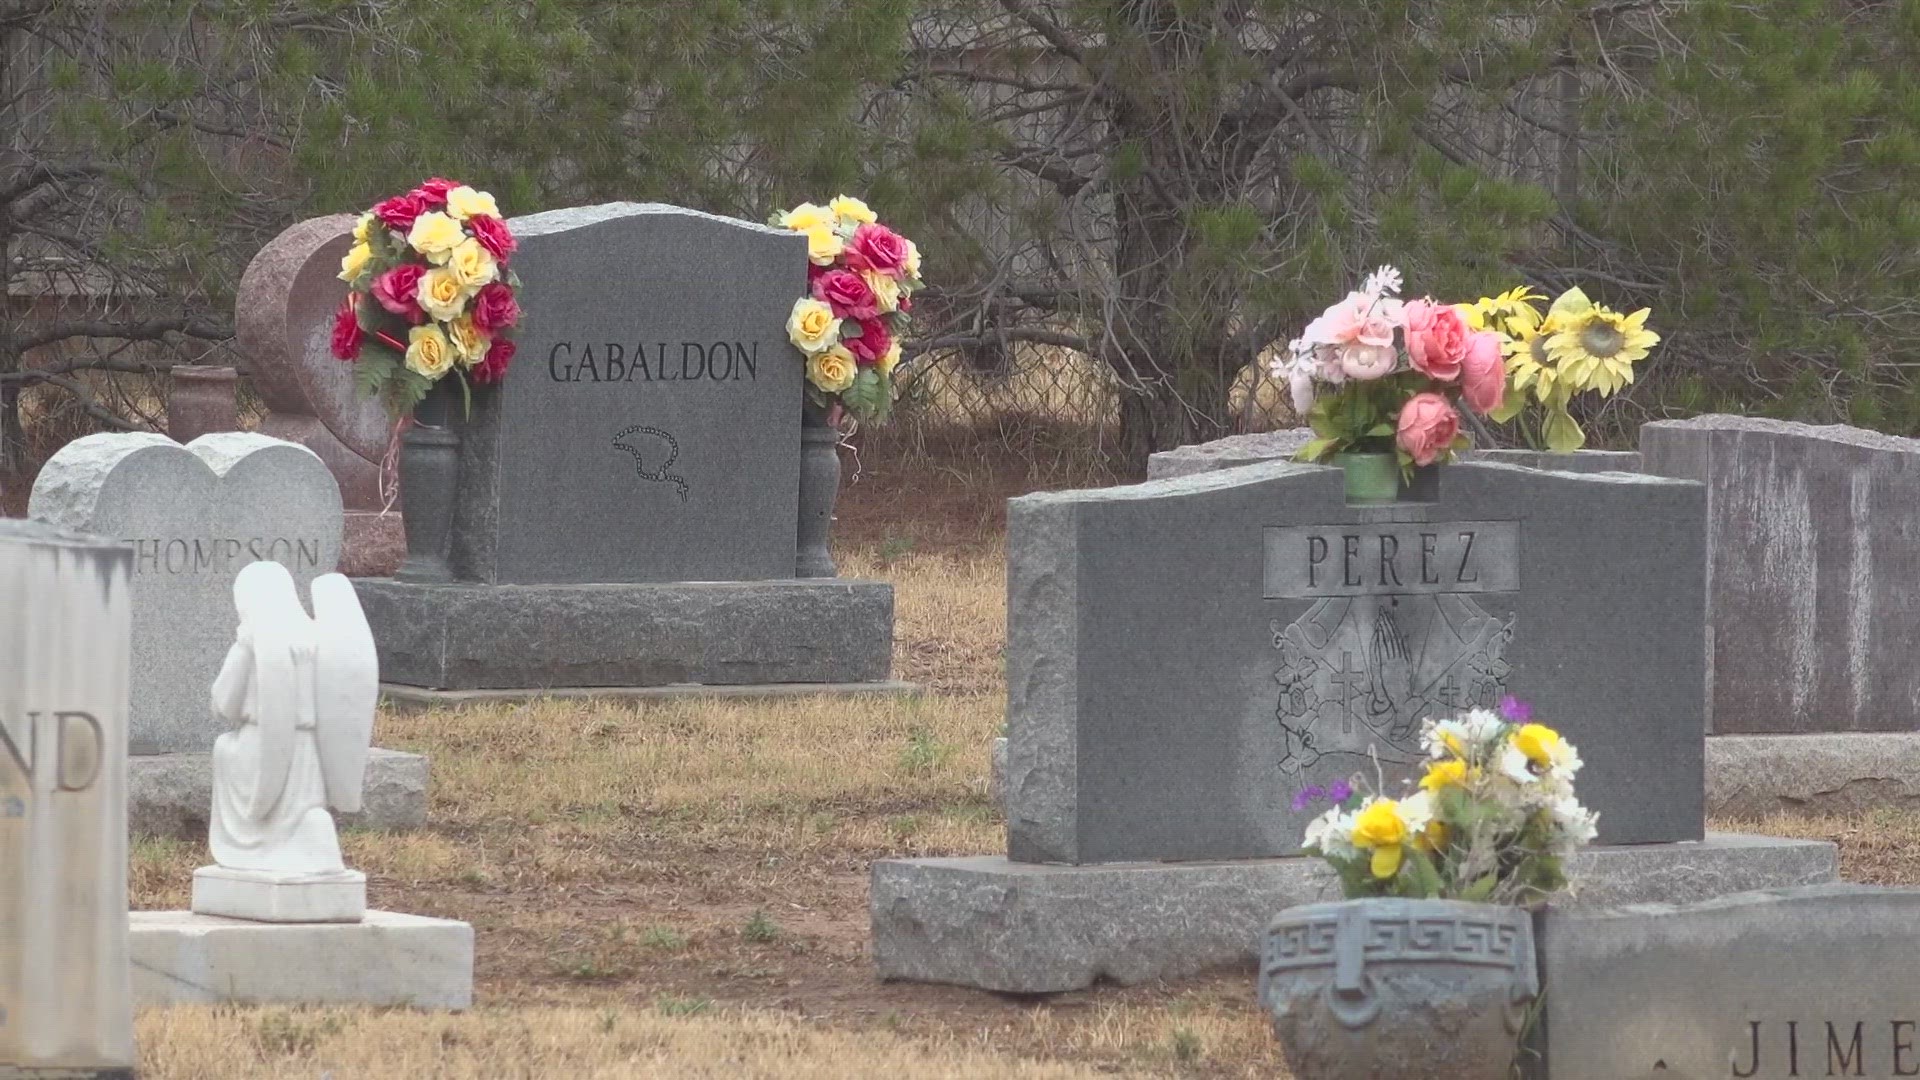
(1396,558)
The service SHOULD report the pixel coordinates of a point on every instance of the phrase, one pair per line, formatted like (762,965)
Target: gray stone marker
(65,606)
(649,429)
(194,516)
(1792,983)
(1236,451)
(1814,547)
(1184,655)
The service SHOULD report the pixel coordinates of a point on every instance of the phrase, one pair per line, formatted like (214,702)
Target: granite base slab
(417,699)
(170,794)
(467,636)
(1031,928)
(1751,776)
(180,958)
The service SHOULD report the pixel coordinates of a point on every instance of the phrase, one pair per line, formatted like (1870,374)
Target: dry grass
(679,889)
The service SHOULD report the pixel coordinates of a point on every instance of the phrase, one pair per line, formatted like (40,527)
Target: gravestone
(65,604)
(1235,451)
(193,516)
(1814,546)
(1761,986)
(628,502)
(1185,655)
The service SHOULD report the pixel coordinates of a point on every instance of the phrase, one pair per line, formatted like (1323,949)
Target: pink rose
(1483,375)
(876,247)
(493,367)
(494,307)
(871,345)
(1359,318)
(848,293)
(1428,425)
(399,212)
(346,331)
(1436,339)
(398,291)
(493,235)
(434,191)
(1364,362)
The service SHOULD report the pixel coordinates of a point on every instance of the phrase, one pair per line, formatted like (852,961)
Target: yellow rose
(833,370)
(824,245)
(363,228)
(806,217)
(849,208)
(435,235)
(463,202)
(812,327)
(470,343)
(441,294)
(356,260)
(1445,774)
(886,289)
(1379,827)
(473,265)
(1538,742)
(913,261)
(428,352)
(889,359)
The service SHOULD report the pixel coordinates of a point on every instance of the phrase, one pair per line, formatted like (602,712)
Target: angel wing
(283,649)
(348,688)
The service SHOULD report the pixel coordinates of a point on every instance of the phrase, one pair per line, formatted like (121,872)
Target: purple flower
(1515,711)
(1307,796)
(1339,792)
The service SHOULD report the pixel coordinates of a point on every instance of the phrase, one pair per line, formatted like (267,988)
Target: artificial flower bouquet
(860,291)
(1377,374)
(1575,347)
(1494,819)
(430,294)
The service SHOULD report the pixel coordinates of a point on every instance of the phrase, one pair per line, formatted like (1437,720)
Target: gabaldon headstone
(1814,548)
(193,517)
(1185,655)
(65,1003)
(649,429)
(1814,981)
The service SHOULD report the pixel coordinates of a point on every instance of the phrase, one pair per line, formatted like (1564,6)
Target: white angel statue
(302,693)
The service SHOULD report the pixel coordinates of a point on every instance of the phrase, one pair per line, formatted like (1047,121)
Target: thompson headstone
(1813,547)
(1815,981)
(65,1004)
(193,517)
(1184,655)
(649,430)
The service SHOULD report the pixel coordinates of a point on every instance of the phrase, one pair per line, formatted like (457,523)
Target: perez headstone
(193,517)
(65,1004)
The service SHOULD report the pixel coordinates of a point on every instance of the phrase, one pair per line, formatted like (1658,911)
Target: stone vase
(1410,989)
(819,488)
(429,485)
(201,400)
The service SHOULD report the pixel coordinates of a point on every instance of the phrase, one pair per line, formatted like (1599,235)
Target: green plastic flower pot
(1371,477)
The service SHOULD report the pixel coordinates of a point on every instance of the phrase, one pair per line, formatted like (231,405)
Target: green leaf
(1481,889)
(867,397)
(1380,431)
(849,330)
(1510,406)
(1316,450)
(1563,433)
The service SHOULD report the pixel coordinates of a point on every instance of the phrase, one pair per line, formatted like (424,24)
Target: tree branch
(39,173)
(1053,32)
(150,330)
(1004,335)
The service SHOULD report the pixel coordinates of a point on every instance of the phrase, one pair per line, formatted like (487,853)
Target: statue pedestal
(279,897)
(385,959)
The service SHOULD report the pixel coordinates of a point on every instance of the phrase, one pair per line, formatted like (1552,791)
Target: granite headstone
(649,430)
(193,516)
(1814,981)
(65,1004)
(1813,549)
(1184,655)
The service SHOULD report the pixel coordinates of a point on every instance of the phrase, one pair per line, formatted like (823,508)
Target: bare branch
(1055,34)
(150,330)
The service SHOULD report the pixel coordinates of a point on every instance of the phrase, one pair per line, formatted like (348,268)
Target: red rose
(848,293)
(434,191)
(494,307)
(346,331)
(398,291)
(493,367)
(872,344)
(399,212)
(493,235)
(876,247)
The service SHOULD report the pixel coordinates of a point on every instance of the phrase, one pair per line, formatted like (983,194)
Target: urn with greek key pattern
(1408,989)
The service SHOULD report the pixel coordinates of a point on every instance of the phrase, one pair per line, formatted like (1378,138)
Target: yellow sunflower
(1596,348)
(1530,363)
(1508,314)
